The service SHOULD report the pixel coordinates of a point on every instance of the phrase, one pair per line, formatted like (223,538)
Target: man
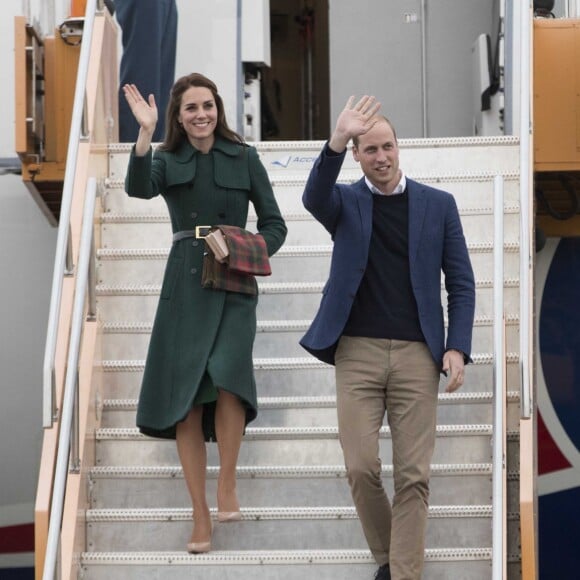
(380,322)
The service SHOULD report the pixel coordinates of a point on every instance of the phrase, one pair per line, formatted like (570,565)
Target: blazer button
(195,243)
(193,214)
(194,270)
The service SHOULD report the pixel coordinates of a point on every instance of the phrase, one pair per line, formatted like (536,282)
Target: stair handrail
(49,411)
(526,213)
(84,280)
(499,522)
(527,426)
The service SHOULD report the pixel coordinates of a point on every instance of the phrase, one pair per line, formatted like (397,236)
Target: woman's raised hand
(145,112)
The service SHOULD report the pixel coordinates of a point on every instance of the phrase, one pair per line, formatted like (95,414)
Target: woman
(198,383)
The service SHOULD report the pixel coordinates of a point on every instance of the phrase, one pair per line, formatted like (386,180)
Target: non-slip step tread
(329,402)
(163,217)
(126,217)
(264,287)
(288,363)
(272,557)
(264,326)
(403,143)
(278,471)
(274,513)
(294,433)
(351,175)
(296,251)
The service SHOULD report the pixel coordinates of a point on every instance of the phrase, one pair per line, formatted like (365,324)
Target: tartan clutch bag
(247,257)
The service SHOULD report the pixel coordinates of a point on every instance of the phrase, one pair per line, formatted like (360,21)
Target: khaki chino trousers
(374,376)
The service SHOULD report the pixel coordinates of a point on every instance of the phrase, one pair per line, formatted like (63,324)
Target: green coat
(201,338)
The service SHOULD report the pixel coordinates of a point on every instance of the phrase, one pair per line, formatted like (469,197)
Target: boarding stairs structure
(113,504)
(298,519)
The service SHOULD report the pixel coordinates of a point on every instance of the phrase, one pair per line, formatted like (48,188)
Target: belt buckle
(202,231)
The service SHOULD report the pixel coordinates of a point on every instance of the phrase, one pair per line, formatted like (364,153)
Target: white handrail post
(499,560)
(526,212)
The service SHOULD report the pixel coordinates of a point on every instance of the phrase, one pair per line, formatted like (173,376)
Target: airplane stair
(298,519)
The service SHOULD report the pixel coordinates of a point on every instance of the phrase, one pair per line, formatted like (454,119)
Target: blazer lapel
(417,209)
(364,200)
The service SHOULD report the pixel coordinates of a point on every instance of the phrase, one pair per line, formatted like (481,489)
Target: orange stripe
(78,7)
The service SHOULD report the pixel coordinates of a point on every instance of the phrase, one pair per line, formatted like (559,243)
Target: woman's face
(198,114)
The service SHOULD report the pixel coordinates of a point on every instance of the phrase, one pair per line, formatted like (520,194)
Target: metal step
(146,230)
(151,229)
(288,300)
(470,189)
(459,407)
(295,446)
(291,481)
(131,340)
(295,379)
(431,154)
(274,528)
(286,363)
(309,264)
(440,564)
(163,486)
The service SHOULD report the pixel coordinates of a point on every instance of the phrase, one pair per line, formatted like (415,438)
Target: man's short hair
(383,118)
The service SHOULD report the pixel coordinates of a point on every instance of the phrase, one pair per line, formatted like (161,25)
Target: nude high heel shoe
(200,547)
(231,516)
(226,517)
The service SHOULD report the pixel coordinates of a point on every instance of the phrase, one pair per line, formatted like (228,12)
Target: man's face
(378,155)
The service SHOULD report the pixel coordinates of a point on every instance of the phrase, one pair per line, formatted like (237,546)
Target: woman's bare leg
(193,457)
(230,420)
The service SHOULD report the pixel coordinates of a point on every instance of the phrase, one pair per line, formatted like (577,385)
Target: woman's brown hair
(174,133)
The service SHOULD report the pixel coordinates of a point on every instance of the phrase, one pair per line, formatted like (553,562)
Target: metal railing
(499,559)
(67,454)
(528,497)
(526,213)
(63,264)
(69,416)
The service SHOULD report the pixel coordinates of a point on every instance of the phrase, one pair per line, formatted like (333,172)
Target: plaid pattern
(248,258)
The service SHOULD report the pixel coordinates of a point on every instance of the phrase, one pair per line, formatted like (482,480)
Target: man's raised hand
(353,121)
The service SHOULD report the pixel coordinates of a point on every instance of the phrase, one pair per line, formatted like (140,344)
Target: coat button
(195,243)
(193,214)
(194,270)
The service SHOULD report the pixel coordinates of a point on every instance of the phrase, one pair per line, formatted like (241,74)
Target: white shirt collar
(400,187)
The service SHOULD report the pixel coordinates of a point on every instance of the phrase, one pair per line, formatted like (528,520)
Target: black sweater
(385,306)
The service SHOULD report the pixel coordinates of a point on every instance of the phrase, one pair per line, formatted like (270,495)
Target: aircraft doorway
(295,89)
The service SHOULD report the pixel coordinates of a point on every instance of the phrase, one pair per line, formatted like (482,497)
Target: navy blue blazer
(436,243)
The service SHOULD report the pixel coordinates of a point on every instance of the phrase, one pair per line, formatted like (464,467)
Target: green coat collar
(231,169)
(186,151)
